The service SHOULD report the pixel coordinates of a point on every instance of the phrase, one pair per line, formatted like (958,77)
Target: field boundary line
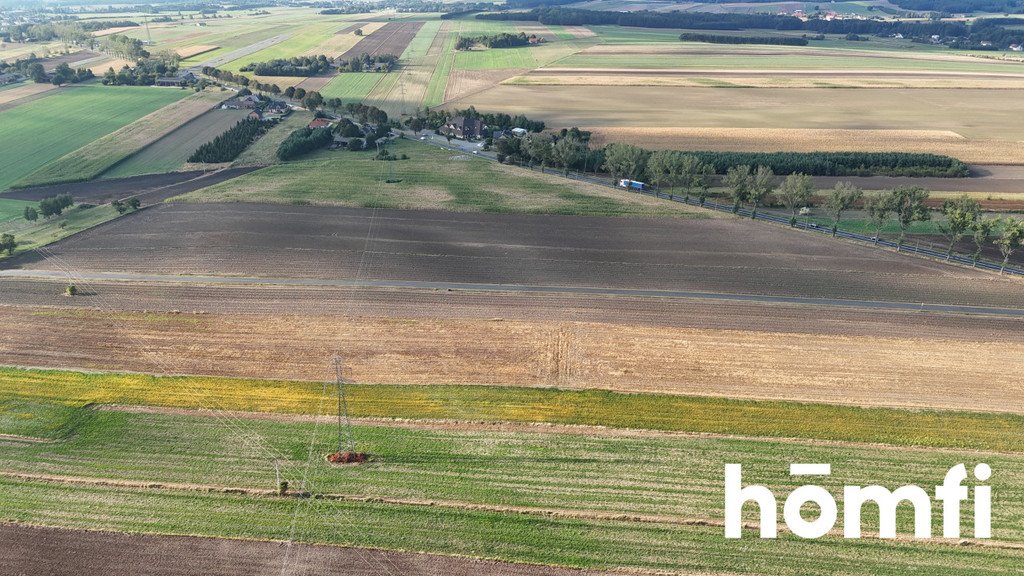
(528,288)
(555,513)
(519,426)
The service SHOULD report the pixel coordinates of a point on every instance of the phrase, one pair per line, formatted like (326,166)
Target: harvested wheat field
(985,118)
(766,79)
(196,50)
(907,371)
(811,140)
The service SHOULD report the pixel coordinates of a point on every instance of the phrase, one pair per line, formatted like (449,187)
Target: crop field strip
(36,133)
(654,253)
(985,122)
(392,38)
(482,473)
(755,363)
(50,401)
(104,153)
(442,465)
(98,553)
(172,150)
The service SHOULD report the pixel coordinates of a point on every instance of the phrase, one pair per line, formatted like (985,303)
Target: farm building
(249,102)
(275,110)
(463,127)
(255,115)
(180,79)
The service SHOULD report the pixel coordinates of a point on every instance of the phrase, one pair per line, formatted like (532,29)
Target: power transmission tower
(401,89)
(346,441)
(149,37)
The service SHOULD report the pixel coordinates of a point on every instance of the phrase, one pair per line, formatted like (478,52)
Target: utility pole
(346,442)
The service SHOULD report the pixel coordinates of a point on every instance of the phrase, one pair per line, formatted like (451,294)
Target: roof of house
(319,123)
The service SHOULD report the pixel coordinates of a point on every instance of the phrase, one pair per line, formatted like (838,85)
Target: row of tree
(427,119)
(227,146)
(63,74)
(727,39)
(366,62)
(48,207)
(905,205)
(246,82)
(296,66)
(503,40)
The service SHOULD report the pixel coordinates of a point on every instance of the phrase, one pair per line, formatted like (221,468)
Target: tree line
(502,40)
(366,62)
(296,66)
(48,207)
(708,21)
(227,146)
(725,39)
(434,119)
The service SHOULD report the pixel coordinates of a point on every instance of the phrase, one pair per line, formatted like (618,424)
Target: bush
(303,141)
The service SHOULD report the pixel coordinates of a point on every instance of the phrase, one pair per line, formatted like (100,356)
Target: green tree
(762,184)
(660,167)
(313,101)
(625,161)
(568,152)
(795,193)
(841,198)
(693,175)
(908,207)
(961,215)
(981,233)
(1010,238)
(134,203)
(8,244)
(121,207)
(31,214)
(738,180)
(879,208)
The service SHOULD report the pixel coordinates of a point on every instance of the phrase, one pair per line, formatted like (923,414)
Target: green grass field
(596,484)
(264,150)
(352,86)
(172,151)
(439,79)
(496,58)
(421,43)
(12,209)
(35,133)
(430,178)
(32,235)
(303,40)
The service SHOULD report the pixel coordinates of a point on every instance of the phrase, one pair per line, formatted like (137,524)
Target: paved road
(82,278)
(236,54)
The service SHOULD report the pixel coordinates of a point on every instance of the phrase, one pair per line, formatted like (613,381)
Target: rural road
(236,54)
(475,287)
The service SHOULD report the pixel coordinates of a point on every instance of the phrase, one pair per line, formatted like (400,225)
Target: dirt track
(150,188)
(36,551)
(716,255)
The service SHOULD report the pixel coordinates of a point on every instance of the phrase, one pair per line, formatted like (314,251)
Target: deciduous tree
(961,215)
(908,207)
(841,198)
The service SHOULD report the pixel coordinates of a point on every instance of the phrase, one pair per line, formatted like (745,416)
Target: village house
(319,123)
(463,127)
(181,79)
(275,110)
(249,102)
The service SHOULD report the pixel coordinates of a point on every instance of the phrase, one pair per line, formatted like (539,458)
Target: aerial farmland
(505,288)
